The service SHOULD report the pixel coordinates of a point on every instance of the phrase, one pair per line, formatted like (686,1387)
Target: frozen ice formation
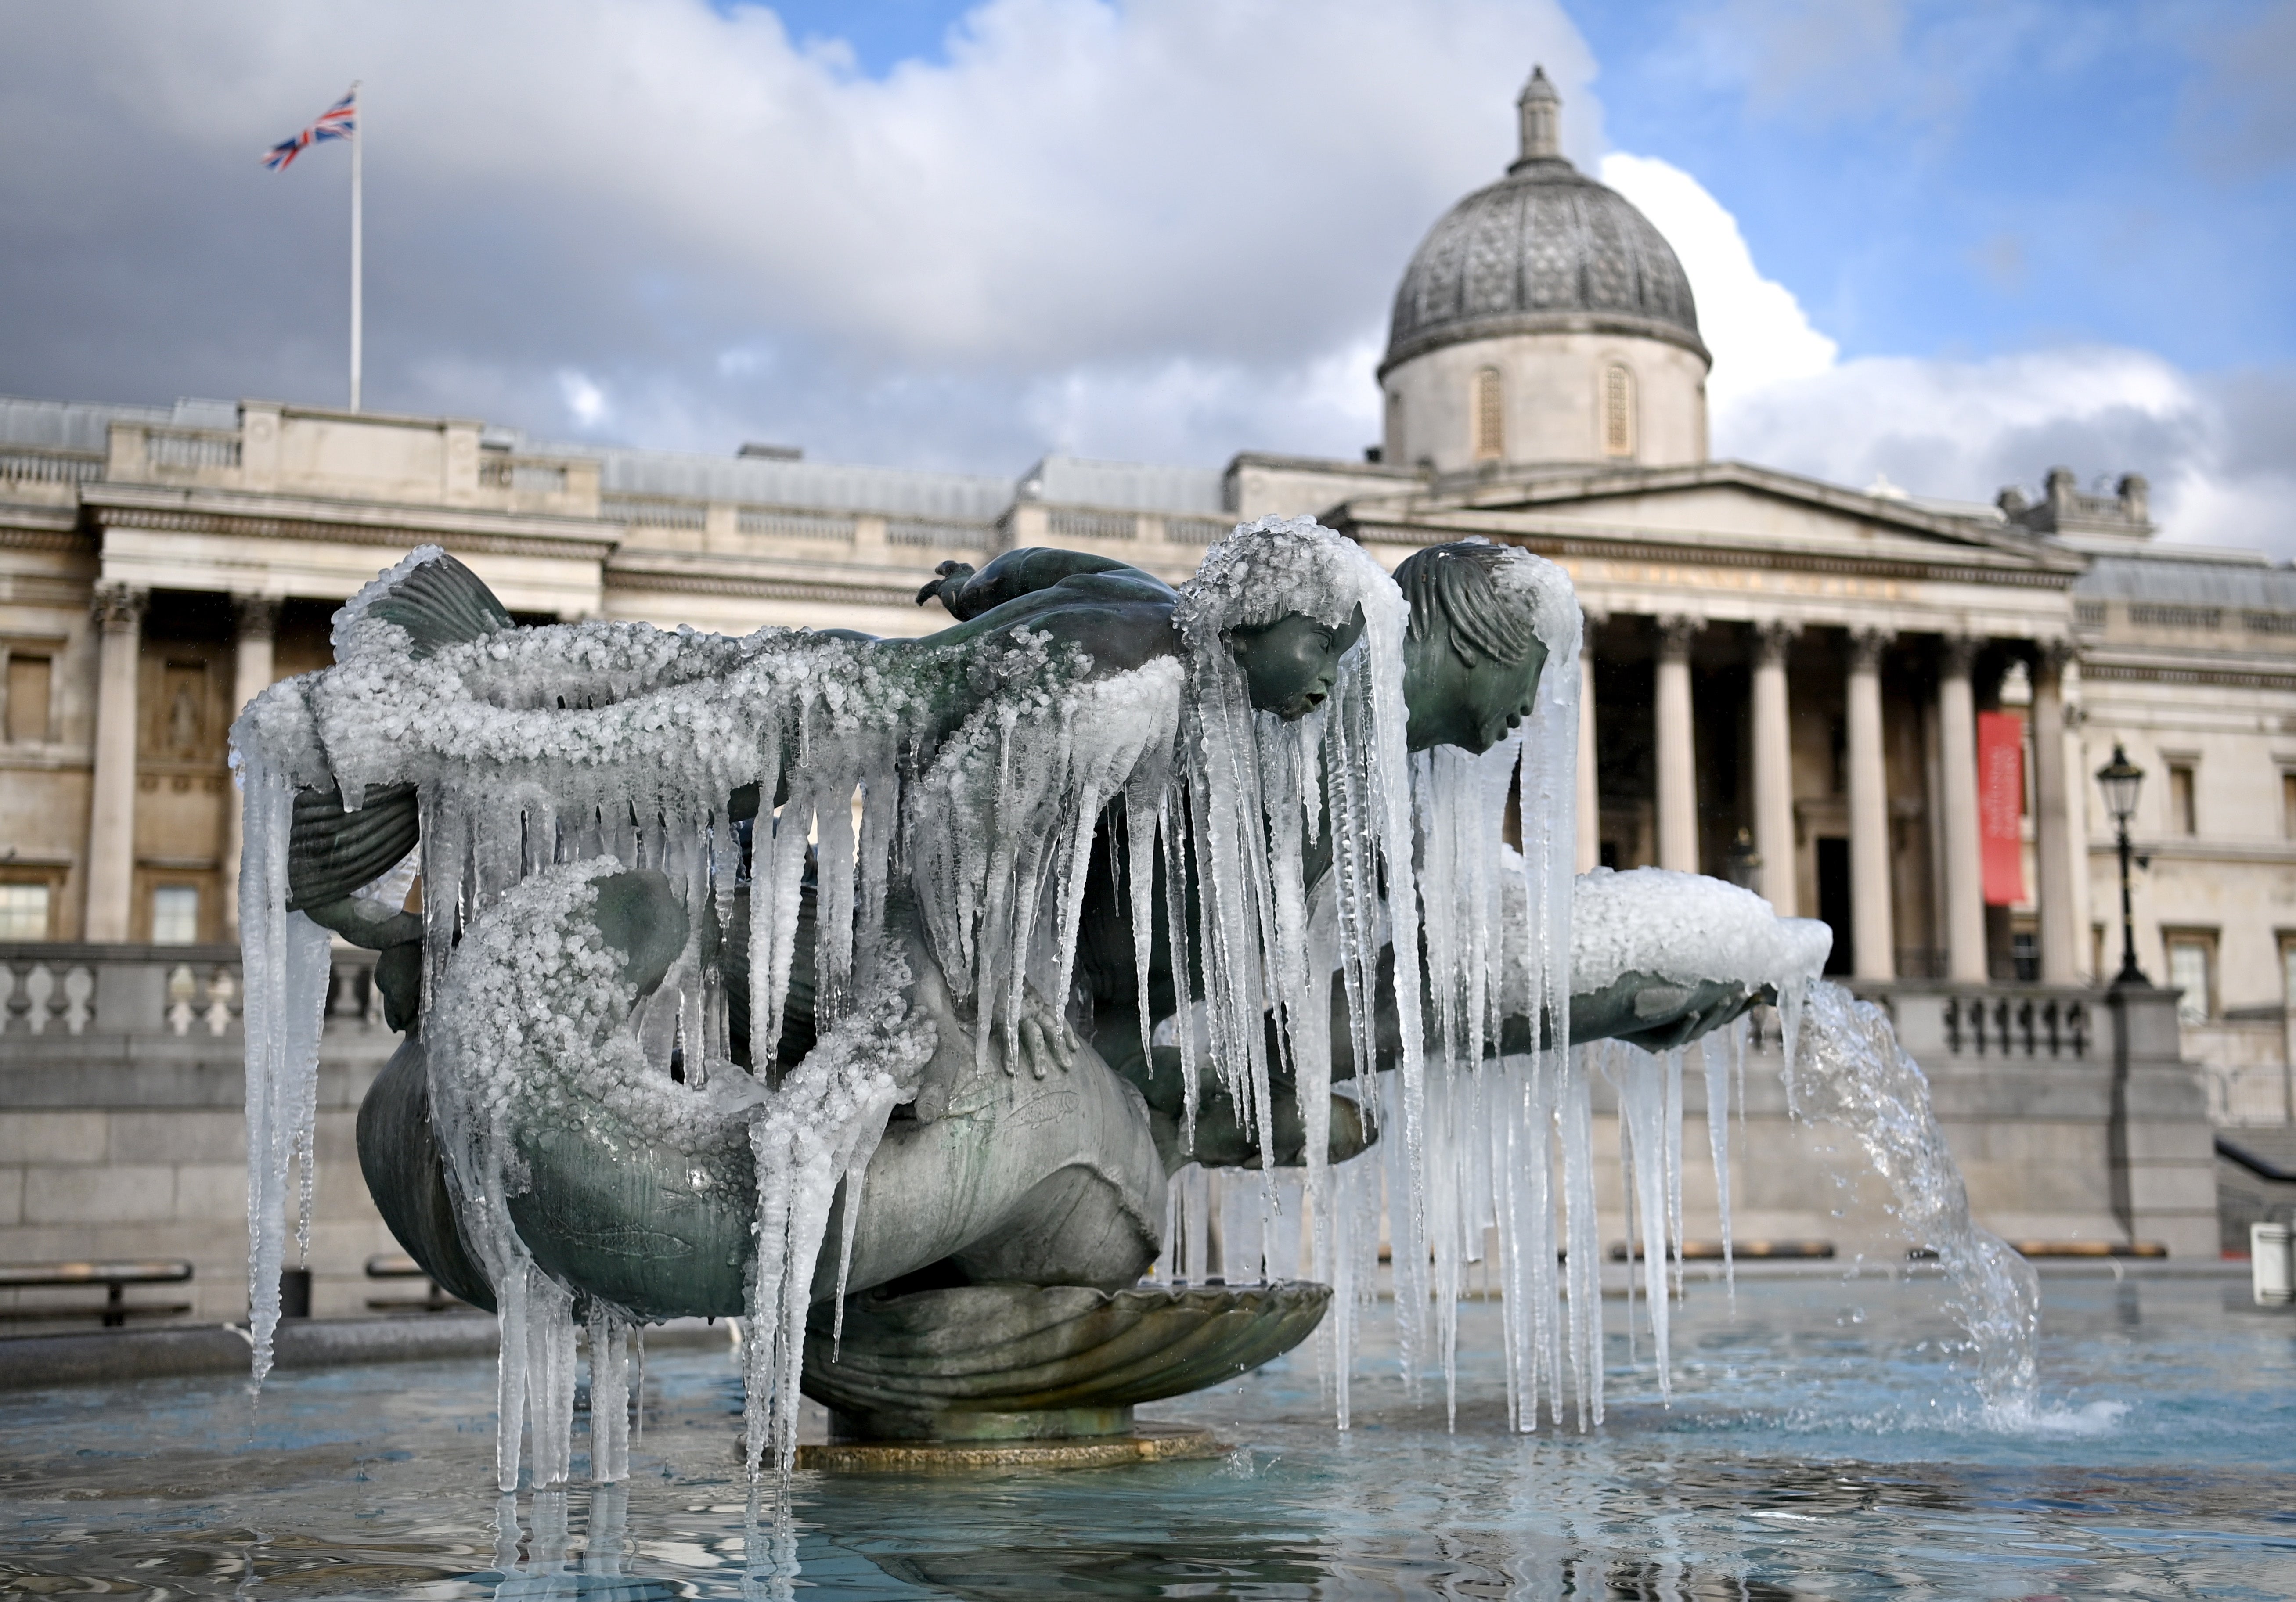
(726,904)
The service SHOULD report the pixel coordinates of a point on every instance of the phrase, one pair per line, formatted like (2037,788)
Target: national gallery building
(1786,680)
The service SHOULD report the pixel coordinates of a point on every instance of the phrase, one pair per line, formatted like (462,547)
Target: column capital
(1773,638)
(1956,653)
(258,615)
(118,608)
(1675,632)
(2052,656)
(1866,643)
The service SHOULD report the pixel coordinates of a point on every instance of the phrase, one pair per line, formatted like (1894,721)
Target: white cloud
(586,402)
(1754,326)
(1962,428)
(1211,197)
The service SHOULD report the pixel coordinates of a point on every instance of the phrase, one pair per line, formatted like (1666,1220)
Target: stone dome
(1547,249)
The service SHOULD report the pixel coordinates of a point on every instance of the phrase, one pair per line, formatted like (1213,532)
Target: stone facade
(1783,681)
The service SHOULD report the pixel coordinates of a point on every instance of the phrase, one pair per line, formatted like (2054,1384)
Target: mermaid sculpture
(911,1114)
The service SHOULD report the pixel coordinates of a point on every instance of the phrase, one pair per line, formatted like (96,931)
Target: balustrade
(1996,1023)
(59,992)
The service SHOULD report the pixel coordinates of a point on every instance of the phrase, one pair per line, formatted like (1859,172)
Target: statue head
(1281,601)
(1289,665)
(1484,619)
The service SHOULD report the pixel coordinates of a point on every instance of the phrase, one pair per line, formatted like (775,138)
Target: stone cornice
(1499,325)
(2189,849)
(245,515)
(1561,538)
(1528,494)
(2218,674)
(43,529)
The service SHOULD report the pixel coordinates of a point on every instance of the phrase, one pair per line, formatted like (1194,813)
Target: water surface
(1824,1441)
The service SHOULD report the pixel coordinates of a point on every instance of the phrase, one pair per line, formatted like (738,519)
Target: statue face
(1454,701)
(1291,664)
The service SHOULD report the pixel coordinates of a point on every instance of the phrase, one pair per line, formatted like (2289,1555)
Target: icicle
(1641,1081)
(1674,1160)
(511,1376)
(1717,1064)
(550,1366)
(637,1394)
(285,968)
(1583,1261)
(609,1395)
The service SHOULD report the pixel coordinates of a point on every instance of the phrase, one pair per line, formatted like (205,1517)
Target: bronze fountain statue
(984,998)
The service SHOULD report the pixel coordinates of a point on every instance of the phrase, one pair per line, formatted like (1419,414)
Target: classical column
(118,611)
(1773,821)
(1872,929)
(2052,858)
(1590,789)
(1678,751)
(2078,767)
(1964,859)
(258,623)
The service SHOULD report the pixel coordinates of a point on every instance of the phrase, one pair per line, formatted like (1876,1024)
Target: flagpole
(358,288)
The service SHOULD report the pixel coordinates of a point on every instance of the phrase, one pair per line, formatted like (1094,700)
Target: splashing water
(1852,1072)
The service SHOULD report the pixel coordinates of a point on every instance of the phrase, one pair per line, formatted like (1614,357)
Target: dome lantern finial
(1541,111)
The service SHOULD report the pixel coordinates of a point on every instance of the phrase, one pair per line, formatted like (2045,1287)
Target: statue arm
(968,594)
(332,854)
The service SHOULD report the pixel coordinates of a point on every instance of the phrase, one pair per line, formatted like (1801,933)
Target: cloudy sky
(1952,244)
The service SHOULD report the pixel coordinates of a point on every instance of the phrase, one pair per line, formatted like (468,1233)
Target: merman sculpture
(665,1050)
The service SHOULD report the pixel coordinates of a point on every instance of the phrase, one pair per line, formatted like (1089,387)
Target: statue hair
(1459,585)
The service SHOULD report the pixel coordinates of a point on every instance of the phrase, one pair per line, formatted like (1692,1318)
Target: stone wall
(124,1138)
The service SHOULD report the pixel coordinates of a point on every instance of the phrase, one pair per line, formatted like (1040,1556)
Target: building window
(30,682)
(2288,804)
(2288,971)
(1490,416)
(1618,412)
(2025,955)
(2192,969)
(2184,816)
(175,915)
(23,911)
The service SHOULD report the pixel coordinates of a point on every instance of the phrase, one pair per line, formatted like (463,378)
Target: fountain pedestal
(1045,1375)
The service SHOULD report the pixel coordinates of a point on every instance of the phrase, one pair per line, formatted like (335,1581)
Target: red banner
(2001,804)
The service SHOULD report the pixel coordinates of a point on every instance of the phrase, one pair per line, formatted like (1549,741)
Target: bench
(114,1277)
(389,1267)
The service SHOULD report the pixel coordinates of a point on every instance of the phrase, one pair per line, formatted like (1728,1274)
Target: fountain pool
(1823,1439)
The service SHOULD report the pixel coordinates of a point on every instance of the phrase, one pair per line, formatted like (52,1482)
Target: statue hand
(1659,1015)
(951,577)
(1045,1047)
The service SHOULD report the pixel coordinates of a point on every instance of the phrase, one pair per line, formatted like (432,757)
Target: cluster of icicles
(559,754)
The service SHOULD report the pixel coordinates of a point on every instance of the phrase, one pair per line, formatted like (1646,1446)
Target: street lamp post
(2120,779)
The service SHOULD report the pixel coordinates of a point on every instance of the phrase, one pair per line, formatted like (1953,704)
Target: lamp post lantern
(2120,779)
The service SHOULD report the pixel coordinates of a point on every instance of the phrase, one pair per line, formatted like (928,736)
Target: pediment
(1710,507)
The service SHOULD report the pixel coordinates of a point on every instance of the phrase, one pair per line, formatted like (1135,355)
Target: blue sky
(1932,179)
(1952,244)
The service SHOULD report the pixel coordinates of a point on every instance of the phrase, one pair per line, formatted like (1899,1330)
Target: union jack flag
(338,121)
